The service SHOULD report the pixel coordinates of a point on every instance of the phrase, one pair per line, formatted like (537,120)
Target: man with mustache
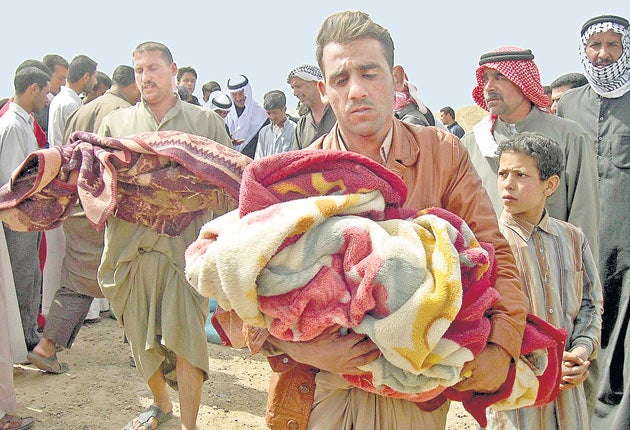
(603,108)
(356,57)
(508,86)
(141,271)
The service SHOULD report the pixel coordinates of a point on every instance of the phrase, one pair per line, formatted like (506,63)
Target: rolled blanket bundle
(161,179)
(321,239)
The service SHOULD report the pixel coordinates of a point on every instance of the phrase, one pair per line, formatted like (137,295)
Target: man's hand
(575,366)
(332,352)
(487,372)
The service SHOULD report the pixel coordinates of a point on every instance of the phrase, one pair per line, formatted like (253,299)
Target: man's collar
(383,150)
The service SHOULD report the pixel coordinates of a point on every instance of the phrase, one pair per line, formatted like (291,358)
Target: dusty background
(102,391)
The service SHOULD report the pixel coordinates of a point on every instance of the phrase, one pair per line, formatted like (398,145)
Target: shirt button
(601,118)
(550,311)
(304,388)
(285,360)
(292,425)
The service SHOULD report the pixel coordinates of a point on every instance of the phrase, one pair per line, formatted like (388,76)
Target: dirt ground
(102,391)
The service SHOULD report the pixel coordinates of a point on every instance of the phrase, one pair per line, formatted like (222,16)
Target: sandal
(144,419)
(48,364)
(13,422)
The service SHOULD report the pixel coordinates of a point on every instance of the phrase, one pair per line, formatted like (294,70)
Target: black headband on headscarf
(493,57)
(604,18)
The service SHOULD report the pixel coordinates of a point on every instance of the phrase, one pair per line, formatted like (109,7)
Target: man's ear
(551,185)
(399,78)
(321,87)
(173,69)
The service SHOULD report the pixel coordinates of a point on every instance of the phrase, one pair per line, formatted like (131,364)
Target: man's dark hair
(211,86)
(33,63)
(447,110)
(124,76)
(79,66)
(185,69)
(52,60)
(346,27)
(544,150)
(28,76)
(547,89)
(103,79)
(574,80)
(154,46)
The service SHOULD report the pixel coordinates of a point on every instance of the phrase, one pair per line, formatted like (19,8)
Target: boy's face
(522,192)
(277,116)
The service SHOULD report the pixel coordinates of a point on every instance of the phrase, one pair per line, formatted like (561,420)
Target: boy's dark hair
(545,151)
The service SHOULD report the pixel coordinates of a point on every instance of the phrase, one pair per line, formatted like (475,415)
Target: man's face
(154,77)
(40,98)
(604,48)
(305,91)
(556,93)
(445,118)
(58,78)
(503,97)
(222,113)
(521,190)
(89,82)
(238,97)
(188,81)
(277,116)
(359,86)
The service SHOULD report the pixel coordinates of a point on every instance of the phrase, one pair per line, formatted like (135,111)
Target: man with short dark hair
(83,244)
(562,84)
(103,83)
(277,136)
(142,270)
(58,75)
(17,141)
(603,108)
(81,79)
(447,116)
(187,78)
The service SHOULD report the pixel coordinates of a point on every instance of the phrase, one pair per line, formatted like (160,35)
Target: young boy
(277,136)
(558,274)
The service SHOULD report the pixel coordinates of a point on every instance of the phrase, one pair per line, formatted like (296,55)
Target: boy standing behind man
(558,274)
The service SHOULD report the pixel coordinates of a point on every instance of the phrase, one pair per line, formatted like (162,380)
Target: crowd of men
(543,176)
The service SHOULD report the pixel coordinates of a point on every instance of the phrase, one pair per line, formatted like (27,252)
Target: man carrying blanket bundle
(307,389)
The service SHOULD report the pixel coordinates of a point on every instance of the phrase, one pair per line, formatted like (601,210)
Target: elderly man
(356,56)
(246,116)
(320,118)
(508,85)
(603,107)
(141,272)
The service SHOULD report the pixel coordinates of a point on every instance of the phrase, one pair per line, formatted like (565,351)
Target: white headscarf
(611,81)
(247,125)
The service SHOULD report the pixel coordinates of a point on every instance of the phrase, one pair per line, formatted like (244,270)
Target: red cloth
(40,134)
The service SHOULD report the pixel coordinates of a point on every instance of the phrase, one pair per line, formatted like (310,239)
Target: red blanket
(162,180)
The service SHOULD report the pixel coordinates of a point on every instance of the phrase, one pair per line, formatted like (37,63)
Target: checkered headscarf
(306,72)
(521,72)
(613,80)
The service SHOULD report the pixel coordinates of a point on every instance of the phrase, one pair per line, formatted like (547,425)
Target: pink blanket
(321,238)
(162,179)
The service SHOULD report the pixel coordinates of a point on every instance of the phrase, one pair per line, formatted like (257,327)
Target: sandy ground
(102,391)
